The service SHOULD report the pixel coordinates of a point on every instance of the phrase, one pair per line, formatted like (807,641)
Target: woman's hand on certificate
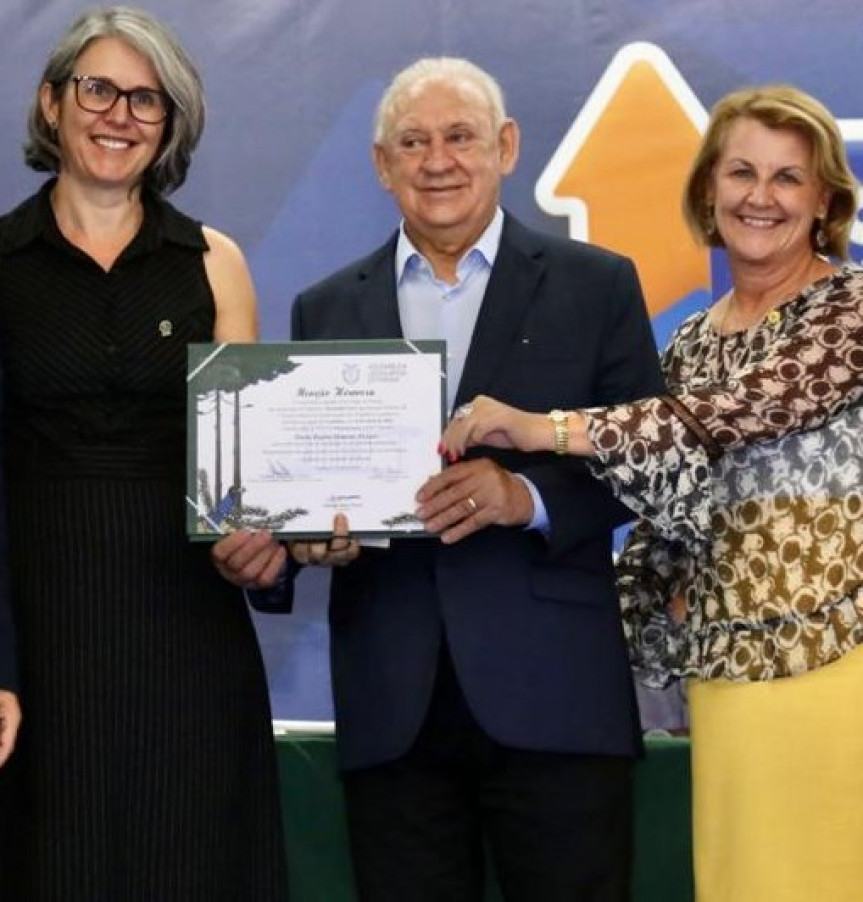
(485,421)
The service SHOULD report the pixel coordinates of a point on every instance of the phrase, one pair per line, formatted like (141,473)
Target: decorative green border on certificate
(217,377)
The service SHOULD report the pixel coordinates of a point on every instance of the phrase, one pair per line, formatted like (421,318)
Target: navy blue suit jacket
(533,624)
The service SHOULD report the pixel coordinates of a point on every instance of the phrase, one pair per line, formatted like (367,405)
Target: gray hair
(462,74)
(177,73)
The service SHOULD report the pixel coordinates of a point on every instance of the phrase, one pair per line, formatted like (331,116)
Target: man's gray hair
(462,74)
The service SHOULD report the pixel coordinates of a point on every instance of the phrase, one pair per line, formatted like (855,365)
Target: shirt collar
(487,245)
(34,219)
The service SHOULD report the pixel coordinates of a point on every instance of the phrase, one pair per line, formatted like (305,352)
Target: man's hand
(10,720)
(250,560)
(338,550)
(471,495)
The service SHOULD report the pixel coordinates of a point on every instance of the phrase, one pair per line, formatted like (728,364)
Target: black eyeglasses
(98,95)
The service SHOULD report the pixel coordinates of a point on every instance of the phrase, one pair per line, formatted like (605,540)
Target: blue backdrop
(284,166)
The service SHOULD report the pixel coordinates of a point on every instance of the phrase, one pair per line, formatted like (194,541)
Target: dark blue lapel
(517,271)
(375,294)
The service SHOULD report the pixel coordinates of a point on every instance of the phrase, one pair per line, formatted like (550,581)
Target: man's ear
(508,141)
(379,158)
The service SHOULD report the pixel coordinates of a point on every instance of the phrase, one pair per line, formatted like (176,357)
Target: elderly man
(483,695)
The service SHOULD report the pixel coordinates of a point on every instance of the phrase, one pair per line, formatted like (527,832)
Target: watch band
(560,421)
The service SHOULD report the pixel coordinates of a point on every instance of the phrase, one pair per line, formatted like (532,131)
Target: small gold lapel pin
(166,328)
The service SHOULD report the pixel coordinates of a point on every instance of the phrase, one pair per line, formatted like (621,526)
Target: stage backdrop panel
(284,165)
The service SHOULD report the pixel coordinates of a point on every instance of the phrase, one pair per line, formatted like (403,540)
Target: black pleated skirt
(146,769)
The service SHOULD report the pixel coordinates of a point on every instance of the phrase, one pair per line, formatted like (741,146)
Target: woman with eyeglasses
(146,764)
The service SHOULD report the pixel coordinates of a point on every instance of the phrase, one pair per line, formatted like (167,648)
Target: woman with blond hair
(745,576)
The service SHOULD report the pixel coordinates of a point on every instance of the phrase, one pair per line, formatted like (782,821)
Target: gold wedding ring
(474,507)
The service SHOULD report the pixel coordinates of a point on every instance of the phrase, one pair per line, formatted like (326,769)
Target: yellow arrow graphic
(619,172)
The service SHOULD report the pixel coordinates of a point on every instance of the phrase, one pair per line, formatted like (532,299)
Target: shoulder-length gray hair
(177,73)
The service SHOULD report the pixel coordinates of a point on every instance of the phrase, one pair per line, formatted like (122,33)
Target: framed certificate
(282,436)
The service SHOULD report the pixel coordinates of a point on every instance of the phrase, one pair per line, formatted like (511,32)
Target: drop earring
(709,222)
(821,236)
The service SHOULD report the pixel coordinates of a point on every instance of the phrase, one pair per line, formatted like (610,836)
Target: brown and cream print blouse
(749,480)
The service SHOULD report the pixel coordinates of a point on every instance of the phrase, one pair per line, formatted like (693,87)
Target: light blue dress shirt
(432,308)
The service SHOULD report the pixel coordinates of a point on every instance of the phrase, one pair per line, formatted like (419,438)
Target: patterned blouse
(750,478)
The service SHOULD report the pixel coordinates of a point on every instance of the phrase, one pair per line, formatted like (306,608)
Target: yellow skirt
(777,770)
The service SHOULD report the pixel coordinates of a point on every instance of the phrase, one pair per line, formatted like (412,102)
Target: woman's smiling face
(766,194)
(111,148)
